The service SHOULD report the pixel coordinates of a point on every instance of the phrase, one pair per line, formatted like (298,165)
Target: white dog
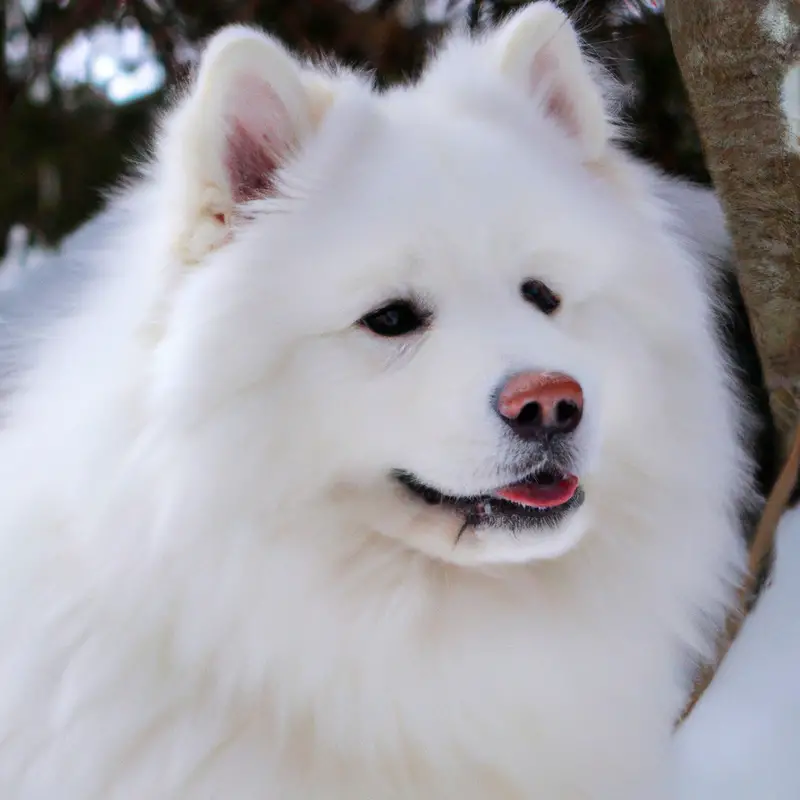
(389,454)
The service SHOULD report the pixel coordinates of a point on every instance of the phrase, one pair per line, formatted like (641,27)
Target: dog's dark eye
(395,319)
(541,296)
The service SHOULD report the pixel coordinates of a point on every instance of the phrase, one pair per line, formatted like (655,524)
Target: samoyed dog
(388,452)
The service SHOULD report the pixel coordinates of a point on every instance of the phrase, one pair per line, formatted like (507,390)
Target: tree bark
(740,61)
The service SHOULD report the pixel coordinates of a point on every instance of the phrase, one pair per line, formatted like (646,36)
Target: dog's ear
(250,107)
(539,50)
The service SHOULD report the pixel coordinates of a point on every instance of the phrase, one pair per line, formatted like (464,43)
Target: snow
(742,741)
(776,22)
(790,105)
(120,60)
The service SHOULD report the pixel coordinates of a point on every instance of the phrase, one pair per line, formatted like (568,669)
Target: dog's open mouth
(543,497)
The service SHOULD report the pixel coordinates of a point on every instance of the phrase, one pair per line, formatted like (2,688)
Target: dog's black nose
(537,405)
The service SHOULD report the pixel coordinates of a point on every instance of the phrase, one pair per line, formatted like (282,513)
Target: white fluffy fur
(211,588)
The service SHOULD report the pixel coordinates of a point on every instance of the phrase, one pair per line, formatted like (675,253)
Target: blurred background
(81,79)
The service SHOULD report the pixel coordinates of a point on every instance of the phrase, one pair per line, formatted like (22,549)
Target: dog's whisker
(460,533)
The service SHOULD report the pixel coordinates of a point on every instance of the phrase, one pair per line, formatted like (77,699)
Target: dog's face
(427,312)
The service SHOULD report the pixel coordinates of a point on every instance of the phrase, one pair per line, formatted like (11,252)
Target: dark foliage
(60,151)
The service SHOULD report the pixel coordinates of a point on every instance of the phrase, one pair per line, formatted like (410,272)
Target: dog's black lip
(486,510)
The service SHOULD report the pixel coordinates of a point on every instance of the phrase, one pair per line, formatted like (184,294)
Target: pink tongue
(540,495)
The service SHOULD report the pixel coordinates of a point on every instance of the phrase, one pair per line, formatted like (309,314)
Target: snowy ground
(742,742)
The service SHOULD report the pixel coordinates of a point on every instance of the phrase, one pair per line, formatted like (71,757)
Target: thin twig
(763,543)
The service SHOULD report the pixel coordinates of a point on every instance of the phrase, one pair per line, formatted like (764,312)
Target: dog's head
(448,308)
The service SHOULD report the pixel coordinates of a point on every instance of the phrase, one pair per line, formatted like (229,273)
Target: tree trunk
(740,61)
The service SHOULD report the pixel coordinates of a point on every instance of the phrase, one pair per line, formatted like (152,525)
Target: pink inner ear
(558,104)
(560,108)
(250,163)
(258,138)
